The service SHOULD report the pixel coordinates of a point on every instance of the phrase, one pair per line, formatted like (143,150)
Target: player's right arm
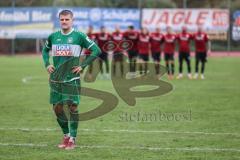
(45,55)
(208,44)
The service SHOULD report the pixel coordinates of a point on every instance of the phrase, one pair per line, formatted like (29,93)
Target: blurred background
(24,24)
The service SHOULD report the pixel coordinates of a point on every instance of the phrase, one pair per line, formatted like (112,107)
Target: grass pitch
(207,127)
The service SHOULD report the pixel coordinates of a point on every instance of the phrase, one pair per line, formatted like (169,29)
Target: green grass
(213,102)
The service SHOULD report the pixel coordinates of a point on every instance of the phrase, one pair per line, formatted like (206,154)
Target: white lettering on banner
(6,16)
(17,16)
(40,16)
(123,16)
(81,14)
(212,19)
(21,16)
(95,14)
(220,18)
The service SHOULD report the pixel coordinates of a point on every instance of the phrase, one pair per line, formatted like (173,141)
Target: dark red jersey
(143,43)
(169,43)
(133,37)
(156,39)
(201,40)
(102,39)
(117,37)
(184,42)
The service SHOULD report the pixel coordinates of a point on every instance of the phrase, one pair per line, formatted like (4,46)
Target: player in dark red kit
(117,38)
(201,48)
(184,40)
(143,50)
(93,37)
(169,49)
(132,36)
(102,38)
(156,38)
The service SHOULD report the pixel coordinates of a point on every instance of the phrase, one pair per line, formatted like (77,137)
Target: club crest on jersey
(63,50)
(70,40)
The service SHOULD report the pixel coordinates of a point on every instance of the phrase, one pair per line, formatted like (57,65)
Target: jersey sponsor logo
(156,38)
(103,37)
(132,36)
(169,40)
(200,37)
(117,37)
(63,50)
(184,38)
(144,39)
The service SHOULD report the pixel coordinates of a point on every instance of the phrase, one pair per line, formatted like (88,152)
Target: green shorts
(65,93)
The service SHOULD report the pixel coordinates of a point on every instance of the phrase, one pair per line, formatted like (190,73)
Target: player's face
(103,30)
(144,30)
(117,29)
(66,21)
(130,29)
(90,29)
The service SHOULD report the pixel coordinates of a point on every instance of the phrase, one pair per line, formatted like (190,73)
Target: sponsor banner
(34,22)
(236,26)
(39,22)
(213,21)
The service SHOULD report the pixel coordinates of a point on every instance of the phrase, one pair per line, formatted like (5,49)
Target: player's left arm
(94,49)
(87,43)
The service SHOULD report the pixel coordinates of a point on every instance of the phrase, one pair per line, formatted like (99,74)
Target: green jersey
(66,50)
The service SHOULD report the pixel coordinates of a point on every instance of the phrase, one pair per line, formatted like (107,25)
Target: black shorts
(132,54)
(169,57)
(156,56)
(103,56)
(201,56)
(144,57)
(118,56)
(184,55)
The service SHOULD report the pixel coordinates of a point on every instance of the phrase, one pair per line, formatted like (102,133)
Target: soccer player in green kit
(66,46)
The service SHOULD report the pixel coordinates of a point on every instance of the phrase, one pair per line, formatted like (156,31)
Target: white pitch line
(23,144)
(28,79)
(25,80)
(162,148)
(162,131)
(186,149)
(124,130)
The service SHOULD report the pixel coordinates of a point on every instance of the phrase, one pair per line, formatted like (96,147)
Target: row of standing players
(145,44)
